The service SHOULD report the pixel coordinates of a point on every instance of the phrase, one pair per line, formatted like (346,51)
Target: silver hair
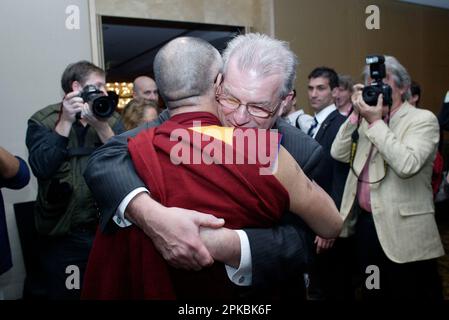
(265,55)
(400,75)
(185,68)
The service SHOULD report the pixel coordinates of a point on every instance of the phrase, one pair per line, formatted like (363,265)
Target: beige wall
(333,33)
(249,13)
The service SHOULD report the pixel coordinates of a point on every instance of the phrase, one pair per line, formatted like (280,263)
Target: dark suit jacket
(330,173)
(274,251)
(280,254)
(443,116)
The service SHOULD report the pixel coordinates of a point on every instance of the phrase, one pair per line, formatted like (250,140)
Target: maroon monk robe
(126,265)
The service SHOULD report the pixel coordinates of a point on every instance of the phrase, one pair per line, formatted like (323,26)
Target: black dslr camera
(371,93)
(102,106)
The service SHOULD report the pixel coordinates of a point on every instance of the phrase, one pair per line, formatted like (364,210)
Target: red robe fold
(126,265)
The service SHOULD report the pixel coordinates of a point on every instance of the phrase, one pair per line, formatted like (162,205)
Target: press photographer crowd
(346,213)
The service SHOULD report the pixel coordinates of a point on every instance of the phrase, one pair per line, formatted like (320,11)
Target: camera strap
(354,142)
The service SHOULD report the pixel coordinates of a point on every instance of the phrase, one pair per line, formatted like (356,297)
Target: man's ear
(218,81)
(76,86)
(284,103)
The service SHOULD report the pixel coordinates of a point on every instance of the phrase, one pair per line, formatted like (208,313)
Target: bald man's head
(145,89)
(186,69)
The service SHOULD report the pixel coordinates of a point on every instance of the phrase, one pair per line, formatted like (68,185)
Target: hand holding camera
(368,101)
(71,106)
(101,105)
(90,104)
(377,73)
(98,107)
(370,113)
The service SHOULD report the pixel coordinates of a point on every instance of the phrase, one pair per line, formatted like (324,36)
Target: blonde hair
(134,111)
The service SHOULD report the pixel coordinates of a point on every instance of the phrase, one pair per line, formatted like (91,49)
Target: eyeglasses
(253,109)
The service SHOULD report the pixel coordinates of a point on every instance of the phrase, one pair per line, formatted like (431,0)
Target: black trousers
(61,258)
(413,280)
(333,276)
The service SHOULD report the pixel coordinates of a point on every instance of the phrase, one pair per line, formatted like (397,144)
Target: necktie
(312,127)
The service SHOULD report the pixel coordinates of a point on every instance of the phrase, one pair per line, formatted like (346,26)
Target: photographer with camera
(387,202)
(60,139)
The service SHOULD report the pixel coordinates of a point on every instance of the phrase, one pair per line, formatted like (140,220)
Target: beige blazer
(402,203)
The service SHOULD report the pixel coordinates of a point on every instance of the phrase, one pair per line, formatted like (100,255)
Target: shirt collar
(323,114)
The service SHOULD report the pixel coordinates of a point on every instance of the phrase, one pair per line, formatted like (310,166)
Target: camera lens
(370,95)
(103,107)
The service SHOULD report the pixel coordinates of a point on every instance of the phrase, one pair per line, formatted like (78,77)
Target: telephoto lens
(102,105)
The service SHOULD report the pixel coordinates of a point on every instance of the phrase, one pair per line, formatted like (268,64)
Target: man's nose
(241,115)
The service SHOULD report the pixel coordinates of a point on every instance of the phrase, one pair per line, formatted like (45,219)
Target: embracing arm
(174,231)
(110,173)
(286,249)
(110,176)
(307,199)
(280,252)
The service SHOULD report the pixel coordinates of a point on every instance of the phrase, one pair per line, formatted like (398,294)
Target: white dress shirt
(300,119)
(321,116)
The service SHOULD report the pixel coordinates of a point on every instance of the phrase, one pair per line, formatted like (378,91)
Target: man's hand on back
(174,231)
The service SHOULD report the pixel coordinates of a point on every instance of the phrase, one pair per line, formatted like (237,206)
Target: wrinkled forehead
(251,83)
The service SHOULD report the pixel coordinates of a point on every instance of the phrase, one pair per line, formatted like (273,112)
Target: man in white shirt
(297,117)
(326,280)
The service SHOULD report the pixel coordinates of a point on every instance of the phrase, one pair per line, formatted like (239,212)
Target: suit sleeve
(310,168)
(280,253)
(287,249)
(306,150)
(110,174)
(443,116)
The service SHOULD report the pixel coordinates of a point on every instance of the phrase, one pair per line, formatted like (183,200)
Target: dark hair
(78,71)
(415,89)
(327,73)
